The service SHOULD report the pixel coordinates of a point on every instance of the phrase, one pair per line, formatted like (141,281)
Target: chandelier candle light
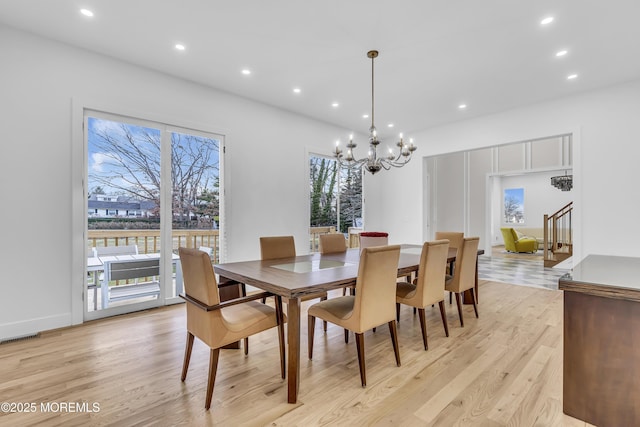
(373,163)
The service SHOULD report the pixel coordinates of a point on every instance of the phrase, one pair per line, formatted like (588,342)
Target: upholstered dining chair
(371,306)
(275,247)
(464,275)
(428,287)
(455,242)
(332,244)
(221,323)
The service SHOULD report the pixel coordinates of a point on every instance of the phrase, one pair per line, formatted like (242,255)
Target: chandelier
(562,182)
(374,162)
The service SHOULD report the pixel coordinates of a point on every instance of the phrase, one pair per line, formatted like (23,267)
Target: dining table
(295,277)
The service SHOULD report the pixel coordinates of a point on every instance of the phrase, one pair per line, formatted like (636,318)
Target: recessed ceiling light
(335,105)
(86,12)
(296,90)
(572,76)
(462,106)
(246,71)
(390,125)
(546,21)
(180,46)
(562,52)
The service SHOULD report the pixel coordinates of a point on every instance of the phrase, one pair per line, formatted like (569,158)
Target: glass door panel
(123,216)
(195,194)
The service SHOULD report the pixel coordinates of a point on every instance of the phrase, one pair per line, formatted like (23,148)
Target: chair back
(431,272)
(207,249)
(373,238)
(99,251)
(277,247)
(197,274)
(464,276)
(332,243)
(509,237)
(375,299)
(454,237)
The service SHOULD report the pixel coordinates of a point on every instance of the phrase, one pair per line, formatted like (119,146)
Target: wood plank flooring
(504,368)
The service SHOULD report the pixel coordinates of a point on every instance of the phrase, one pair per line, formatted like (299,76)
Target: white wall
(605,129)
(265,172)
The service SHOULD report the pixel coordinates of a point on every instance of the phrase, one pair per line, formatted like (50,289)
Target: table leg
(293,342)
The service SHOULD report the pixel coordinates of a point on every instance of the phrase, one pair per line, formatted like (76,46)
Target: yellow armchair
(514,243)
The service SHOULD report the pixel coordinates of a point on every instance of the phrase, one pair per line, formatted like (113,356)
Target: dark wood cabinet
(601,366)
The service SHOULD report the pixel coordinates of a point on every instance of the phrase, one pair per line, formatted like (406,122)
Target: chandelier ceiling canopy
(374,162)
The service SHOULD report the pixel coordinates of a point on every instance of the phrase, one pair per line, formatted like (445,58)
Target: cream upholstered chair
(371,306)
(428,288)
(332,243)
(275,247)
(455,242)
(464,275)
(220,323)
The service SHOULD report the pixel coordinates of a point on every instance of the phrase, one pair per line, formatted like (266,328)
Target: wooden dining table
(296,277)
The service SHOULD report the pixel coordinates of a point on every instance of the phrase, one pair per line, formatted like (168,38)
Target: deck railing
(148,241)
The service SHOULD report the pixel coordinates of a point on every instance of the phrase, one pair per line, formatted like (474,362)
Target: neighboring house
(105,206)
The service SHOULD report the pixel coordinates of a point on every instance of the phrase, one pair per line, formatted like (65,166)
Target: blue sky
(100,162)
(515,193)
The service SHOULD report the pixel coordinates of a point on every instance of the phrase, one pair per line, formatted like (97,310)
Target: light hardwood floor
(504,368)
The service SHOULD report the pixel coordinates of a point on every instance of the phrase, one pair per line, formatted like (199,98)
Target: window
(335,195)
(514,206)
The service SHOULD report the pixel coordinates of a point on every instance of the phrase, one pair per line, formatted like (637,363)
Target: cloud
(98,160)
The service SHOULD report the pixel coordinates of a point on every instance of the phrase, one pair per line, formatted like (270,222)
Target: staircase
(558,238)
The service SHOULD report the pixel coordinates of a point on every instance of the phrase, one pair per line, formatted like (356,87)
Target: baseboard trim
(12,330)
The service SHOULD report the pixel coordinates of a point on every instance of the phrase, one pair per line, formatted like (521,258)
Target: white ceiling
(492,55)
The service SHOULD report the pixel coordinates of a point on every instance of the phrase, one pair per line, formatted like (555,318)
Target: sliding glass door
(150,188)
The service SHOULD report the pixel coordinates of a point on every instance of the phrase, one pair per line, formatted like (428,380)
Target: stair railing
(557,230)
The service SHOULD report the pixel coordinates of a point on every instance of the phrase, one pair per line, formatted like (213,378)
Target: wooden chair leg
(187,356)
(459,303)
(423,327)
(311,324)
(473,299)
(450,297)
(324,322)
(414,311)
(394,340)
(281,338)
(346,336)
(213,368)
(398,311)
(444,318)
(360,348)
(246,346)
